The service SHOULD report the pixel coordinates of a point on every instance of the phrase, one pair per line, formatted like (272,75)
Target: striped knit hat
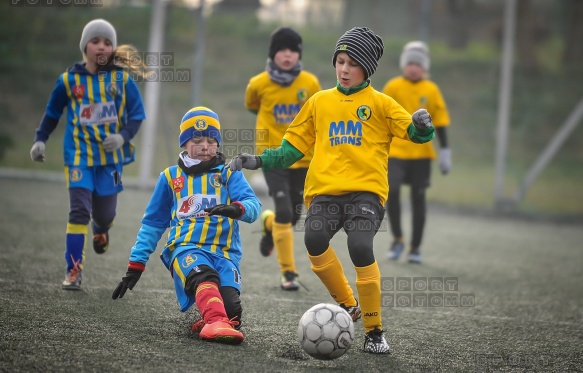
(415,52)
(362,45)
(199,121)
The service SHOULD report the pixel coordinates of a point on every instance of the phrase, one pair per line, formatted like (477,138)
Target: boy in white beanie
(349,128)
(104,112)
(411,163)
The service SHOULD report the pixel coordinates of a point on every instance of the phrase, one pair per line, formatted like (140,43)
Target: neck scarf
(195,166)
(282,77)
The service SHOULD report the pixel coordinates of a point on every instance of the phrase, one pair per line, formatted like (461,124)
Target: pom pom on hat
(363,46)
(197,122)
(282,38)
(97,28)
(415,52)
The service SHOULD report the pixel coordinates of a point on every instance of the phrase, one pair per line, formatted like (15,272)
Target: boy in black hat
(349,128)
(276,95)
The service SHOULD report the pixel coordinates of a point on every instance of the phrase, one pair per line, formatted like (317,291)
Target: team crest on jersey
(76,175)
(364,112)
(423,101)
(201,124)
(215,180)
(188,260)
(303,95)
(112,89)
(79,91)
(178,184)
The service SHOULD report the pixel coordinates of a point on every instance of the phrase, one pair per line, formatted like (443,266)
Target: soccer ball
(326,331)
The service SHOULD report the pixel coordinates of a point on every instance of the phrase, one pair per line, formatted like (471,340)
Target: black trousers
(286,187)
(417,174)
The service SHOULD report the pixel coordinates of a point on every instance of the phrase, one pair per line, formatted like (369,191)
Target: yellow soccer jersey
(413,96)
(351,137)
(276,108)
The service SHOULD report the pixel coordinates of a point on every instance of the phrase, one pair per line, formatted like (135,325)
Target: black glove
(128,282)
(233,211)
(244,160)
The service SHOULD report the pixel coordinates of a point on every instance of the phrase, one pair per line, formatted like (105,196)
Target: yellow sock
(283,240)
(368,285)
(269,222)
(329,269)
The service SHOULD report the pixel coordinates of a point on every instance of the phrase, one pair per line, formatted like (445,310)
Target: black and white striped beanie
(362,45)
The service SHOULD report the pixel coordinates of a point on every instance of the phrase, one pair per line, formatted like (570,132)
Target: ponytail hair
(128,58)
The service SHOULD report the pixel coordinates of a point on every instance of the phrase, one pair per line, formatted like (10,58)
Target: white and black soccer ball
(326,331)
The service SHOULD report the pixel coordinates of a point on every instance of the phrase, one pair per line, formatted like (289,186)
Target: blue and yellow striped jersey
(97,105)
(178,203)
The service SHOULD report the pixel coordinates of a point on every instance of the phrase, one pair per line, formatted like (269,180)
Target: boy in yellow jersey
(276,95)
(411,163)
(350,128)
(201,202)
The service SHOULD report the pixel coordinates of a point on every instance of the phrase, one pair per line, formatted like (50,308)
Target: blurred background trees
(39,43)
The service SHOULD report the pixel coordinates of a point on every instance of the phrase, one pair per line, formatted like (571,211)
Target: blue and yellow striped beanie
(199,121)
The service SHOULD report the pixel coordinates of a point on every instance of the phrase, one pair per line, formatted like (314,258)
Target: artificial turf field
(523,276)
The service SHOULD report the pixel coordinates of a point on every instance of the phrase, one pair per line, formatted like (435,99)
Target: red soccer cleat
(197,326)
(222,331)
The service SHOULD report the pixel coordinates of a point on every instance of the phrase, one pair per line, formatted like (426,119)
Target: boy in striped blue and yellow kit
(104,112)
(201,202)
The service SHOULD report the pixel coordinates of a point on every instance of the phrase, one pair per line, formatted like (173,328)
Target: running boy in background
(350,128)
(104,112)
(201,201)
(411,163)
(276,96)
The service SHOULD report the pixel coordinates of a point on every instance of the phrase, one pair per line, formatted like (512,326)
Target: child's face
(202,148)
(348,72)
(98,51)
(413,72)
(285,59)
